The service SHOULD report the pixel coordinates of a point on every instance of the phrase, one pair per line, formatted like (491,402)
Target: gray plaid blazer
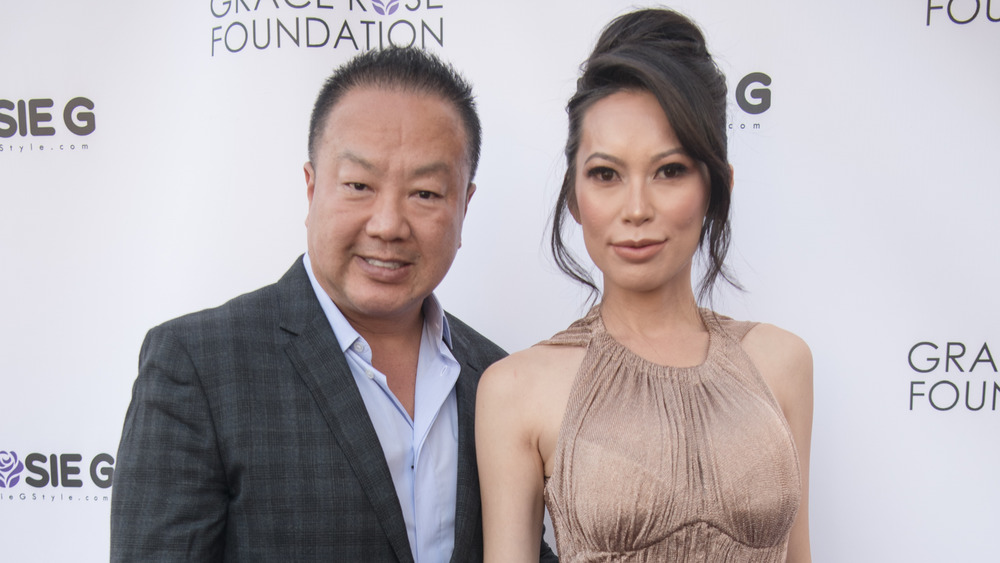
(247,440)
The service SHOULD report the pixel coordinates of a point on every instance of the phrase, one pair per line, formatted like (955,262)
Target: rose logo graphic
(10,469)
(385,8)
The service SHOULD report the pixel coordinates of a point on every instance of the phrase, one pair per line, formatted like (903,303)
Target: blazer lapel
(317,357)
(468,514)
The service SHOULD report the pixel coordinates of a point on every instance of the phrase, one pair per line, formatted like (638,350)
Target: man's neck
(395,347)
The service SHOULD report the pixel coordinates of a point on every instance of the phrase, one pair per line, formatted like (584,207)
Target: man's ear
(471,189)
(310,180)
(310,186)
(468,195)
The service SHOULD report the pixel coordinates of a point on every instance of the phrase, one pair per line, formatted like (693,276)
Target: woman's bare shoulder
(533,367)
(778,343)
(783,359)
(534,375)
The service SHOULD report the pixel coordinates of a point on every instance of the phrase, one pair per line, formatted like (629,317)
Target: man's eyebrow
(430,169)
(357,159)
(439,167)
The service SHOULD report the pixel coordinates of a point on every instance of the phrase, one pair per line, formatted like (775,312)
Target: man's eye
(424,194)
(357,186)
(602,174)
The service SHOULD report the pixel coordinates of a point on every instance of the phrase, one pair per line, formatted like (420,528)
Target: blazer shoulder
(249,318)
(255,304)
(290,294)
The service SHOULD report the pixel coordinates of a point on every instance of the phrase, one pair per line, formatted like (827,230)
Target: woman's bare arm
(785,362)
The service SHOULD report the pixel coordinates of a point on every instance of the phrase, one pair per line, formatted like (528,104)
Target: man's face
(388,190)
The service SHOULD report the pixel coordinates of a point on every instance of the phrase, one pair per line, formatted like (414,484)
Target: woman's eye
(672,170)
(602,174)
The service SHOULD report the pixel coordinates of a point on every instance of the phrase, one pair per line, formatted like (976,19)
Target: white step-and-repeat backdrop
(151,164)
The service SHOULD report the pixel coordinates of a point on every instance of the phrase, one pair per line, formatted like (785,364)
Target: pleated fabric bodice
(666,464)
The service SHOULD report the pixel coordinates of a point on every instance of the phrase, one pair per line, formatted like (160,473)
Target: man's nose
(388,220)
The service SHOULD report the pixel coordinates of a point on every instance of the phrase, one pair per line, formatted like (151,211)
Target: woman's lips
(638,250)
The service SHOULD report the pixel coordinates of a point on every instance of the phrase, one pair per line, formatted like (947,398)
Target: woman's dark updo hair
(661,52)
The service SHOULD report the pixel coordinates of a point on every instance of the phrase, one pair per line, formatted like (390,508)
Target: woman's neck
(664,327)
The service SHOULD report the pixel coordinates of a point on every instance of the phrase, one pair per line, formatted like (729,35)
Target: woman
(652,429)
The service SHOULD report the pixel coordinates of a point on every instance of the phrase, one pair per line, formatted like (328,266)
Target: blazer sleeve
(169,498)
(545,554)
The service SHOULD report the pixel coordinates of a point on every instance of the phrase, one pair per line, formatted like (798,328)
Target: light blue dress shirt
(422,453)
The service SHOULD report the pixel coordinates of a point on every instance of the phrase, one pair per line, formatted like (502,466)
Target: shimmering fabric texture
(666,464)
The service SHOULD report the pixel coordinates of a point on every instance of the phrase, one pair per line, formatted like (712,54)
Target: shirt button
(370,374)
(359,347)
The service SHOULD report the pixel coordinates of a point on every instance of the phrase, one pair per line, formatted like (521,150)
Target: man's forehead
(370,107)
(368,122)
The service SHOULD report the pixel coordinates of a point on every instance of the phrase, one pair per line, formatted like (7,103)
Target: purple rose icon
(385,8)
(10,469)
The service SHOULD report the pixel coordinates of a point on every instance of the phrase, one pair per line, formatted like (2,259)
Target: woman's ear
(574,210)
(732,178)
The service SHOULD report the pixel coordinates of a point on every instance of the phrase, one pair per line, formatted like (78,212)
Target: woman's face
(640,198)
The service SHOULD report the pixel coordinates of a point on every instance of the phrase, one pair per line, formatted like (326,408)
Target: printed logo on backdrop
(962,12)
(753,97)
(46,125)
(55,477)
(953,376)
(247,26)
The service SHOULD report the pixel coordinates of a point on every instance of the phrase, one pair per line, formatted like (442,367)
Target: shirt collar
(435,321)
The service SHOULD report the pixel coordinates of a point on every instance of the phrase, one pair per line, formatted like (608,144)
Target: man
(328,416)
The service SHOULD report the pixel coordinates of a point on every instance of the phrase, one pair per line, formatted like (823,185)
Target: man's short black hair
(407,69)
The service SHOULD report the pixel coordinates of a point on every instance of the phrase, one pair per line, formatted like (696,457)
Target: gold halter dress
(665,464)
